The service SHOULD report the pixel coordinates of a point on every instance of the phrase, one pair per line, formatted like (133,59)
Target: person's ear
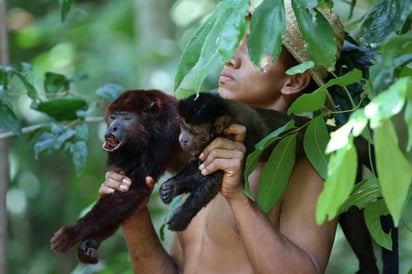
(294,84)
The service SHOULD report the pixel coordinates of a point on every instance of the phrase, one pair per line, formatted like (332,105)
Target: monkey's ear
(152,106)
(221,124)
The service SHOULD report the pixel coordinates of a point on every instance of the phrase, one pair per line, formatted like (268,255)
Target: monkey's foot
(64,239)
(87,251)
(167,191)
(179,221)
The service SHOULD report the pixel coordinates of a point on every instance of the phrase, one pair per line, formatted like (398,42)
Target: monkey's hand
(64,239)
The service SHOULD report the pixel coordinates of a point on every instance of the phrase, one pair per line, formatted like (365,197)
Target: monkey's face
(119,125)
(194,138)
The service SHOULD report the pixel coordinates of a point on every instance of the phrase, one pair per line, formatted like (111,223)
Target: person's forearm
(268,250)
(146,251)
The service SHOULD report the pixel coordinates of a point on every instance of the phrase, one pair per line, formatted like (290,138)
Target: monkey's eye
(112,116)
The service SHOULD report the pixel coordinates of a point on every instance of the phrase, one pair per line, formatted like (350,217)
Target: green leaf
(373,213)
(301,68)
(314,143)
(408,120)
(9,120)
(276,172)
(62,108)
(253,158)
(65,6)
(394,170)
(354,127)
(339,183)
(31,90)
(314,28)
(384,18)
(316,100)
(54,139)
(110,91)
(308,102)
(389,102)
(54,83)
(266,31)
(214,42)
(79,155)
(363,194)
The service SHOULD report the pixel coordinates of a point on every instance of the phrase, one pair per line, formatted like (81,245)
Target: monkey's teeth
(111,144)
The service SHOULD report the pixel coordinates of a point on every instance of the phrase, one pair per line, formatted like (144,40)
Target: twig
(29,129)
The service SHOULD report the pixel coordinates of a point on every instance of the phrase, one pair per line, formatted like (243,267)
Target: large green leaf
(373,213)
(314,28)
(389,102)
(383,19)
(314,143)
(408,120)
(62,108)
(214,42)
(266,30)
(276,172)
(339,184)
(394,170)
(254,157)
(9,120)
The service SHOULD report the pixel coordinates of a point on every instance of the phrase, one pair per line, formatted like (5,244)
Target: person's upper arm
(298,221)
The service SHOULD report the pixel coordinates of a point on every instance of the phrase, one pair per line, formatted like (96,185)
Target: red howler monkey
(141,125)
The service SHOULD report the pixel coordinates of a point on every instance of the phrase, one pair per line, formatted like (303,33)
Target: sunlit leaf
(314,143)
(408,120)
(266,30)
(395,178)
(339,183)
(373,213)
(276,172)
(9,120)
(389,102)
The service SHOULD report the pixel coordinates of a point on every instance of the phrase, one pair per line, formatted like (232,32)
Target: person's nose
(236,59)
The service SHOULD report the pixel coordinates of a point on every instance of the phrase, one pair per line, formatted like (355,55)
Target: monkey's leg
(101,221)
(208,187)
(184,181)
(390,258)
(357,234)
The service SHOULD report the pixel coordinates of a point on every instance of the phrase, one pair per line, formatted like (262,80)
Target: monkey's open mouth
(111,143)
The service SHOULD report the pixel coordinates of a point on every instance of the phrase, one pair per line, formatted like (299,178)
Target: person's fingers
(221,144)
(114,181)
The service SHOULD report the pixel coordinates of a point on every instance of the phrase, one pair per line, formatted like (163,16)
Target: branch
(29,129)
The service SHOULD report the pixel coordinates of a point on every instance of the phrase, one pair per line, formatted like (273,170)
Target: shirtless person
(232,234)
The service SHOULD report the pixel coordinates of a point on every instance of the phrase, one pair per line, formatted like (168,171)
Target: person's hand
(117,181)
(229,156)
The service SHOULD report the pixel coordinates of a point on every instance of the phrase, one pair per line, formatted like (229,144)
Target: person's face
(240,80)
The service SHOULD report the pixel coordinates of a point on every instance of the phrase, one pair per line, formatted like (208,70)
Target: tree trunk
(4,147)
